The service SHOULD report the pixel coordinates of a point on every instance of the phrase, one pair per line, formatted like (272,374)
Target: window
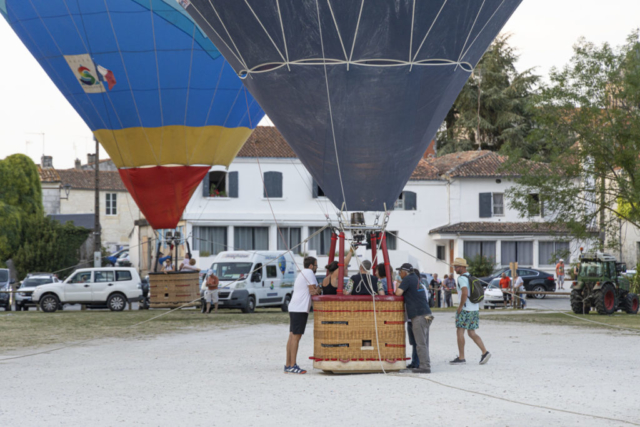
(406,202)
(220,184)
(251,238)
(211,240)
(549,253)
(535,206)
(123,276)
(111,203)
(273,185)
(440,252)
(498,204)
(289,238)
(272,271)
(316,191)
(520,252)
(320,242)
(84,277)
(104,276)
(486,249)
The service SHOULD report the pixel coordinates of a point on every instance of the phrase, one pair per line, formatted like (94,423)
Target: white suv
(110,286)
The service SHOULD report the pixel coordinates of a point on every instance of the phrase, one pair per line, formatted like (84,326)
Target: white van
(254,279)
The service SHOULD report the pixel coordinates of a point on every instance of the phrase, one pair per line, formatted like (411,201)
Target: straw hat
(460,262)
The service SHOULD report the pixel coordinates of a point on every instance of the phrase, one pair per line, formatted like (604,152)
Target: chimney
(47,162)
(78,164)
(91,160)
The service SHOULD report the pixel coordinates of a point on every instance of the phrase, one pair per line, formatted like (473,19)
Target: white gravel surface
(234,376)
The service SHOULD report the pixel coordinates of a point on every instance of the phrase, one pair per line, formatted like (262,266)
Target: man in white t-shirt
(468,316)
(305,285)
(518,288)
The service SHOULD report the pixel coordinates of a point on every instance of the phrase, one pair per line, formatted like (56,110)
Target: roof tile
(487,227)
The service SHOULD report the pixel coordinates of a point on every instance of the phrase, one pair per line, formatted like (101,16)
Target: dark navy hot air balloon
(152,87)
(358,88)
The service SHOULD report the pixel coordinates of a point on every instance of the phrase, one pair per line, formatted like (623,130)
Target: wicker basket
(345,336)
(174,289)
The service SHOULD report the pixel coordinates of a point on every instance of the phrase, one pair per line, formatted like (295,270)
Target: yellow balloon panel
(173,145)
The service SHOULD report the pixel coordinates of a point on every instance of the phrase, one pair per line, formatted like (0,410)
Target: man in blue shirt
(468,316)
(415,299)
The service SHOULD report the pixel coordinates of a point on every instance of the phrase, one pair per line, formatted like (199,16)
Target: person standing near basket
(449,285)
(305,285)
(467,316)
(211,293)
(418,311)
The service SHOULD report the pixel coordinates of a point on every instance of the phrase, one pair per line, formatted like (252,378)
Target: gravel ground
(234,377)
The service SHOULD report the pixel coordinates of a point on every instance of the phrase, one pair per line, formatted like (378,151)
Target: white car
(493,295)
(110,286)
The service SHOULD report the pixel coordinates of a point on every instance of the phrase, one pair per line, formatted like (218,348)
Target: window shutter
(273,184)
(314,189)
(410,201)
(233,184)
(205,186)
(485,205)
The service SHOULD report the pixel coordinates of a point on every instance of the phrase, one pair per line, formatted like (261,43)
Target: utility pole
(97,254)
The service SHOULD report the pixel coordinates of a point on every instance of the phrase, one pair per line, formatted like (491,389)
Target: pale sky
(544,32)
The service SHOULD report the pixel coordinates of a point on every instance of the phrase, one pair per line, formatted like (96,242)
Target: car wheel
(116,302)
(539,288)
(251,305)
(285,305)
(49,304)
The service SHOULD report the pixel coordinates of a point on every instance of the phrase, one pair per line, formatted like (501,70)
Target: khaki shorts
(211,296)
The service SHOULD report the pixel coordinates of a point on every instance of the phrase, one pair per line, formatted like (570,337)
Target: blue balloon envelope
(357,88)
(149,83)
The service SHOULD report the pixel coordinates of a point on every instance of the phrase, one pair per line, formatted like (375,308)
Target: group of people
(417,311)
(441,290)
(508,288)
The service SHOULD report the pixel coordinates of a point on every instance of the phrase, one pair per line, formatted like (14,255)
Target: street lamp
(67,190)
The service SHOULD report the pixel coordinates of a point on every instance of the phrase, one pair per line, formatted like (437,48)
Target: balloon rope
(355,35)
(284,38)
(338,31)
(480,32)
(470,31)
(428,32)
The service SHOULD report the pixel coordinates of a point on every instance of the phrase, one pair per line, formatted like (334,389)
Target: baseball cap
(405,267)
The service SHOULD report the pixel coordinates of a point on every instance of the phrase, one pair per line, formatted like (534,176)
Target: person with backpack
(468,314)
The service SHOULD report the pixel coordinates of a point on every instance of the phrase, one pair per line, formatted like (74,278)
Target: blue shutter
(485,205)
(273,184)
(233,184)
(205,186)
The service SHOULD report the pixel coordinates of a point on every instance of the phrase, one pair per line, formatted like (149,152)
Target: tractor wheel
(630,303)
(577,304)
(606,299)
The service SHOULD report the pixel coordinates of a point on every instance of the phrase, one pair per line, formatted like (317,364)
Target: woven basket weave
(345,328)
(173,289)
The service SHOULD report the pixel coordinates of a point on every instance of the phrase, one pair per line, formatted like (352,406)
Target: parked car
(493,295)
(33,280)
(110,286)
(5,285)
(534,280)
(120,258)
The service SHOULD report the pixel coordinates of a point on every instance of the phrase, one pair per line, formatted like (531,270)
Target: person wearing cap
(211,293)
(467,316)
(417,306)
(560,273)
(364,283)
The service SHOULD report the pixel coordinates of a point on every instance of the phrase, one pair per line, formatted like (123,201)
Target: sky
(35,116)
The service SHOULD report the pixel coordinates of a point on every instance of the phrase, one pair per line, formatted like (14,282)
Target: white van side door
(273,294)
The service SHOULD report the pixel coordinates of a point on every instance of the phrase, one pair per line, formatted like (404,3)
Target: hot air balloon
(358,88)
(152,87)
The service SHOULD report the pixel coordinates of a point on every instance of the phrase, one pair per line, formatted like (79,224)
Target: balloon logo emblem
(85,76)
(282,264)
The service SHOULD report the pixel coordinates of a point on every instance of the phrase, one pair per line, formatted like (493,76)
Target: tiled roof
(81,179)
(468,164)
(425,171)
(500,228)
(266,141)
(48,175)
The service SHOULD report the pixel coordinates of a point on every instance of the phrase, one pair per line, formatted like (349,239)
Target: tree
(496,100)
(588,132)
(20,197)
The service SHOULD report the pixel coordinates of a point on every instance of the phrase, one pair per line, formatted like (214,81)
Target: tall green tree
(494,107)
(588,132)
(20,197)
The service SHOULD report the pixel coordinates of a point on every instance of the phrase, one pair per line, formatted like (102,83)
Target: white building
(452,206)
(68,194)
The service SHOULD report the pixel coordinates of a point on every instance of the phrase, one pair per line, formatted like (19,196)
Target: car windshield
(592,269)
(494,284)
(231,270)
(4,276)
(33,282)
(497,271)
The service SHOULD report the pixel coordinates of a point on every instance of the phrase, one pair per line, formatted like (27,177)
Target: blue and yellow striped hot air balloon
(152,87)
